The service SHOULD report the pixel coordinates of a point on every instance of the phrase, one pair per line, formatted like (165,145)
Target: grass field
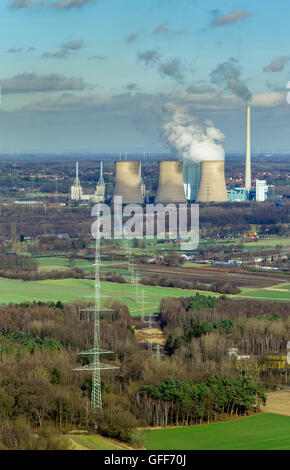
(262,243)
(51,263)
(265,431)
(69,290)
(61,263)
(279,292)
(96,442)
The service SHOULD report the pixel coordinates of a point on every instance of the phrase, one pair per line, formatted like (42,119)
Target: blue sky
(85,75)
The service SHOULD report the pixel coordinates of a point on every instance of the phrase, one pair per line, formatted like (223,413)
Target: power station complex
(178,182)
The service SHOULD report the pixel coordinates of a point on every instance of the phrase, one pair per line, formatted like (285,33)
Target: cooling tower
(170,186)
(212,184)
(128,182)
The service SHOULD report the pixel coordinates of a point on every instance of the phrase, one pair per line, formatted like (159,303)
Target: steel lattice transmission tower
(135,280)
(96,366)
(143,301)
(142,305)
(149,328)
(158,352)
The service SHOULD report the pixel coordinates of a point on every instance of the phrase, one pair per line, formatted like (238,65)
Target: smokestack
(170,186)
(248,175)
(77,180)
(212,184)
(128,182)
(101,179)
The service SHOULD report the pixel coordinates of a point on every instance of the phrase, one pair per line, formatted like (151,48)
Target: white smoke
(191,139)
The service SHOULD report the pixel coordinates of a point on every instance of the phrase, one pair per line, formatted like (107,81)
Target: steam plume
(190,139)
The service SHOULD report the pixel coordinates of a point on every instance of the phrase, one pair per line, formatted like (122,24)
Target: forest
(42,398)
(184,403)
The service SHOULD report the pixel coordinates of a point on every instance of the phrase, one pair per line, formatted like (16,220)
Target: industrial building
(191,179)
(76,189)
(170,184)
(99,195)
(77,193)
(178,181)
(260,193)
(238,194)
(261,190)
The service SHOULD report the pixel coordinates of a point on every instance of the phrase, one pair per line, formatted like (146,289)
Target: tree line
(185,403)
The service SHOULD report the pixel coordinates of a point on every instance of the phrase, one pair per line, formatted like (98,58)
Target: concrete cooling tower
(170,186)
(212,186)
(128,182)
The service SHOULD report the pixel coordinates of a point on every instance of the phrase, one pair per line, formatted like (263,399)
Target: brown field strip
(143,336)
(278,403)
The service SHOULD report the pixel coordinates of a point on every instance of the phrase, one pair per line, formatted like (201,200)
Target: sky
(102,75)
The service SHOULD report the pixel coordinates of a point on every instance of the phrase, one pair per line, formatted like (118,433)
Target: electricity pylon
(143,302)
(142,305)
(158,352)
(96,366)
(135,280)
(15,241)
(149,328)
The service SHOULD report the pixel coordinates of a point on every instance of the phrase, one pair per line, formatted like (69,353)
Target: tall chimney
(212,186)
(101,179)
(248,177)
(77,180)
(170,185)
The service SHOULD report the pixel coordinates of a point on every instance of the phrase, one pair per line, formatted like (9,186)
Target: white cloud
(268,100)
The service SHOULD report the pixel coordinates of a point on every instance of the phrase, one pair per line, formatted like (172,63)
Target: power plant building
(99,195)
(212,184)
(238,195)
(128,183)
(170,186)
(76,190)
(77,193)
(261,190)
(191,179)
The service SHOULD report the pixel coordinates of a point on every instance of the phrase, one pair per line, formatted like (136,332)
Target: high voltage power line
(96,366)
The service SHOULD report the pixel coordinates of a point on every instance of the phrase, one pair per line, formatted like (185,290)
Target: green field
(262,243)
(265,431)
(279,292)
(62,263)
(69,290)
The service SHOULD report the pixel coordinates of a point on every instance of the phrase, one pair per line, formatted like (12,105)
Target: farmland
(69,290)
(265,431)
(279,292)
(278,402)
